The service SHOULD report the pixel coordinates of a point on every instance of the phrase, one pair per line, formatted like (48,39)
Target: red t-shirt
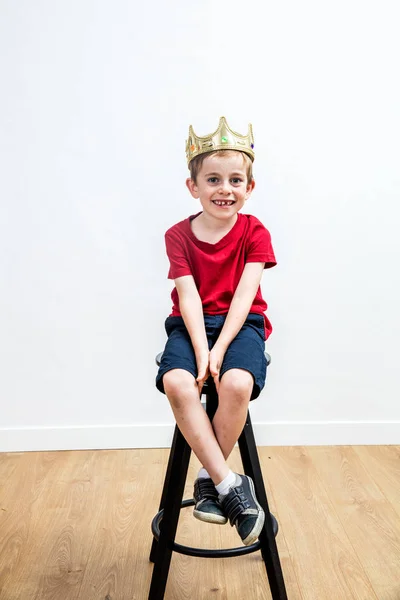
(217,268)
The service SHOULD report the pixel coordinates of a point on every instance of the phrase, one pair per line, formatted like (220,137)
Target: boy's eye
(236,180)
(212,180)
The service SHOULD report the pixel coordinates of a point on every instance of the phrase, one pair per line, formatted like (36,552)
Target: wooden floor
(76,525)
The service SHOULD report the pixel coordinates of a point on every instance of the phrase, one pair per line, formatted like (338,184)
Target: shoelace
(204,488)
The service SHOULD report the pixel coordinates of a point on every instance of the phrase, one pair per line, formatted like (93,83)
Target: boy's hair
(196,164)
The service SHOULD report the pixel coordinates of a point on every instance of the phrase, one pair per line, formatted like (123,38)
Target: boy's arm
(237,314)
(191,309)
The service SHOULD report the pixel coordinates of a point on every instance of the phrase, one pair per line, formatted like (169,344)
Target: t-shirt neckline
(221,243)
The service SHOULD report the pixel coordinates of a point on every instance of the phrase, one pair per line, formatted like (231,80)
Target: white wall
(95,104)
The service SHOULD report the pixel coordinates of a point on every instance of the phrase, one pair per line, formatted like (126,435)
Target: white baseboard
(160,436)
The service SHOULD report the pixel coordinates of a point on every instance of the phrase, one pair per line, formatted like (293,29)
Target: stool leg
(269,550)
(211,401)
(171,499)
(166,486)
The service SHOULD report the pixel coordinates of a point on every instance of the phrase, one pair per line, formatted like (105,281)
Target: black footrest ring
(206,552)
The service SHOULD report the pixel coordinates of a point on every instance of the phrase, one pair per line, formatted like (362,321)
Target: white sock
(229,481)
(203,474)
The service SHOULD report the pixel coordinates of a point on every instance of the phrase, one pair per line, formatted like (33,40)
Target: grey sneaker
(207,507)
(241,506)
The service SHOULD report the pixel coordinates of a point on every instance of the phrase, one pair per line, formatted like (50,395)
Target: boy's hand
(216,358)
(203,371)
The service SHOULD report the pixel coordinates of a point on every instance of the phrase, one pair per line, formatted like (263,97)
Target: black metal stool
(165,522)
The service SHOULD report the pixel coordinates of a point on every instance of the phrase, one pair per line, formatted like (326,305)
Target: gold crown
(224,138)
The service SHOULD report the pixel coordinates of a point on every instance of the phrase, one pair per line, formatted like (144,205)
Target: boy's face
(221,185)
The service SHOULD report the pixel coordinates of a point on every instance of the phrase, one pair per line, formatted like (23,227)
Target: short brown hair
(196,164)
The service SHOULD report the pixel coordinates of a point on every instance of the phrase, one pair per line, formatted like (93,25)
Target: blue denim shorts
(246,351)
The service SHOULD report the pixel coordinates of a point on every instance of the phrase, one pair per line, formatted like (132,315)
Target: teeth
(223,202)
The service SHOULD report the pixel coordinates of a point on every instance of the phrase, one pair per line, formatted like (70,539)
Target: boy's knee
(178,383)
(238,383)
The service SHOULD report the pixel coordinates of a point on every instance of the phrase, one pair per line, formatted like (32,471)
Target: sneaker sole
(209,517)
(255,532)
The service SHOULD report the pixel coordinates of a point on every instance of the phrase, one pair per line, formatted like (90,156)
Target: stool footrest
(206,552)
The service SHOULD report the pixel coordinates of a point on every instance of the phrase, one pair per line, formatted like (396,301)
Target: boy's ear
(250,188)
(192,187)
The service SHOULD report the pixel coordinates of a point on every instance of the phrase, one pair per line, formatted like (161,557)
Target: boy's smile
(221,186)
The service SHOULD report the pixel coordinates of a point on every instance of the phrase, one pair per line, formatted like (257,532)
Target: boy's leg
(234,394)
(176,377)
(238,500)
(181,389)
(242,378)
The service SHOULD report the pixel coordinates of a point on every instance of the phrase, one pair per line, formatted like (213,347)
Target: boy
(218,324)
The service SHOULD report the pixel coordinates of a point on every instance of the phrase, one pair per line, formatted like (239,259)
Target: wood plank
(322,555)
(118,565)
(383,464)
(22,502)
(371,523)
(55,514)
(8,464)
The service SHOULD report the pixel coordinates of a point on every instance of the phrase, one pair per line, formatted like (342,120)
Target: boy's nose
(225,187)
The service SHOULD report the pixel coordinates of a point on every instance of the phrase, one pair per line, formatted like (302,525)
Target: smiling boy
(218,324)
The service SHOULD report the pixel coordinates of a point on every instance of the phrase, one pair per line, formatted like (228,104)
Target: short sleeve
(259,248)
(176,252)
